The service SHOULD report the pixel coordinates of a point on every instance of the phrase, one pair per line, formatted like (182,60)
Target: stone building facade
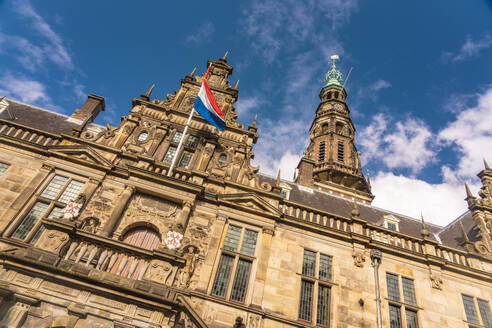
(95,232)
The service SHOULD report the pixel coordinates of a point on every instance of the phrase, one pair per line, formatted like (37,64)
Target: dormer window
(285,190)
(391,222)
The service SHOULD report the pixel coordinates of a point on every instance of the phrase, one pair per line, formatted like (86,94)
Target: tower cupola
(331,161)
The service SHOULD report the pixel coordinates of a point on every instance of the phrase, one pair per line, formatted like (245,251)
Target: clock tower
(331,162)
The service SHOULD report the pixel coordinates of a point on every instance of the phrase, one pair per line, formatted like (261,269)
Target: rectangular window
(192,141)
(59,191)
(223,275)
(325,267)
(411,317)
(249,242)
(341,152)
(177,136)
(395,317)
(407,297)
(316,270)
(306,302)
(30,220)
(484,308)
(240,281)
(323,311)
(391,226)
(232,238)
(393,290)
(408,291)
(185,159)
(236,266)
(170,155)
(3,167)
(321,153)
(309,263)
(471,313)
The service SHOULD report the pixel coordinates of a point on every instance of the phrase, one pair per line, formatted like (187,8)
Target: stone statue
(187,272)
(239,323)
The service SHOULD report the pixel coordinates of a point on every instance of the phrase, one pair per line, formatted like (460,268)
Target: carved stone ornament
(191,256)
(72,210)
(254,321)
(359,258)
(436,281)
(173,240)
(52,241)
(160,271)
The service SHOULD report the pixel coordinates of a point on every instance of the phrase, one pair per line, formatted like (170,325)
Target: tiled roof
(39,118)
(341,206)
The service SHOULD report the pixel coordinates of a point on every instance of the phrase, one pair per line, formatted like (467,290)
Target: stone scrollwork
(254,321)
(436,281)
(359,258)
(52,241)
(160,272)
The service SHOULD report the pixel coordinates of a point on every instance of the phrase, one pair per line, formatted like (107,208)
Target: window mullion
(231,278)
(62,189)
(241,237)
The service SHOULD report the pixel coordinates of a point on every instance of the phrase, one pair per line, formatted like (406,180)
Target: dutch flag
(207,106)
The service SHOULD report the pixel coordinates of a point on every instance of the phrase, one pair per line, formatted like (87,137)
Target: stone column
(90,188)
(183,217)
(118,211)
(262,265)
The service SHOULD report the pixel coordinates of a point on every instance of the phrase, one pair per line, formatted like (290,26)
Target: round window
(143,136)
(222,159)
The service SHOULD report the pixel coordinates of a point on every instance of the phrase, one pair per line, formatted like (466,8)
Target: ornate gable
(249,202)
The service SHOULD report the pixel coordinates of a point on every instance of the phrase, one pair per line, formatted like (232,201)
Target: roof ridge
(454,221)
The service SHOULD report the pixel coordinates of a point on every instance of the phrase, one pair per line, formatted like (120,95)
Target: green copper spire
(333,76)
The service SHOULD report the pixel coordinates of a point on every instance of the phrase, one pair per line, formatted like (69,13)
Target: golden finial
(254,120)
(193,72)
(225,56)
(150,91)
(277,182)
(237,83)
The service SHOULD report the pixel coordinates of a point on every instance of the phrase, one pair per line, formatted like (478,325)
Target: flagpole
(180,144)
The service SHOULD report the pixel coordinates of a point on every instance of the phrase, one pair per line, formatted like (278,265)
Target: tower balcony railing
(335,166)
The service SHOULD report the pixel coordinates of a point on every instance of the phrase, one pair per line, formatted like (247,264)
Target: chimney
(88,112)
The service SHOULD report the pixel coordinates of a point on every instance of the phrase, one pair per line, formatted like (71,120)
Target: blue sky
(420,92)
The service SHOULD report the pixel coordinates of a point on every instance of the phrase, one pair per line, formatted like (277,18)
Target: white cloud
(440,203)
(54,49)
(380,84)
(471,135)
(201,34)
(244,105)
(28,91)
(405,144)
(469,49)
(274,26)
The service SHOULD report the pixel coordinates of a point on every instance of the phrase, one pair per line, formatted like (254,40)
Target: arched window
(324,128)
(339,127)
(144,237)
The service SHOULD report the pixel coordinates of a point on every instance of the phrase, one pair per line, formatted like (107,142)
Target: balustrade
(28,134)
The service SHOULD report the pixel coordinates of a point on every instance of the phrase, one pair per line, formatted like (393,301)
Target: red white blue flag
(207,106)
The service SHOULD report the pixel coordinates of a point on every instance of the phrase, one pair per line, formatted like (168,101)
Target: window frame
(478,312)
(186,146)
(401,303)
(52,204)
(6,165)
(237,256)
(317,282)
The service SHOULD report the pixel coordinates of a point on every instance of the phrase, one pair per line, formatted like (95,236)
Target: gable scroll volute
(481,209)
